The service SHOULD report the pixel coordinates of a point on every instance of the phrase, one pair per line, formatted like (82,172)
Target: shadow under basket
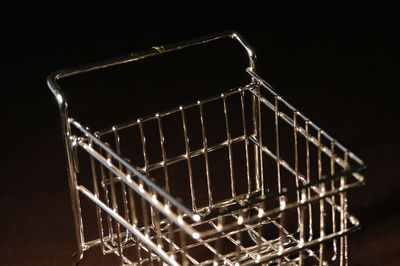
(240,178)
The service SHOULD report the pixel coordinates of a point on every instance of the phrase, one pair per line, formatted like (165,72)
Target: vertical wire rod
(146,163)
(333,199)
(301,233)
(246,141)
(260,152)
(229,141)
(310,229)
(346,257)
(163,153)
(205,147)
(156,215)
(256,150)
(282,202)
(123,187)
(132,204)
(343,258)
(98,209)
(115,209)
(107,201)
(321,202)
(165,169)
(296,166)
(278,164)
(189,164)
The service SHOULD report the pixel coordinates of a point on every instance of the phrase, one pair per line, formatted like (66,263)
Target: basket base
(246,245)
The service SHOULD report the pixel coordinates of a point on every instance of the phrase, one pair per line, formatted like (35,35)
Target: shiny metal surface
(279,208)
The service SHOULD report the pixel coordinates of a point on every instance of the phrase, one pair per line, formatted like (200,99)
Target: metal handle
(210,38)
(58,93)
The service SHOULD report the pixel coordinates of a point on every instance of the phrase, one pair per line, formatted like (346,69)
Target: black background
(339,70)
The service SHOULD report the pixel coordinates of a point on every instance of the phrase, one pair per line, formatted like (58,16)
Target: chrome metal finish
(279,207)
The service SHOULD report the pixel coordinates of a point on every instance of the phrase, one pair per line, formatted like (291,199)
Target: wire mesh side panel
(130,215)
(199,154)
(196,149)
(295,153)
(269,185)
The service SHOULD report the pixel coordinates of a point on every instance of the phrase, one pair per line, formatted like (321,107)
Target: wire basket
(240,178)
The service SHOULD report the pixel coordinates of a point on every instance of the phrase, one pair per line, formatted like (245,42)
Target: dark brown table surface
(344,76)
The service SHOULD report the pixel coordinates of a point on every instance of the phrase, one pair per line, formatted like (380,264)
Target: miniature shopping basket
(254,182)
